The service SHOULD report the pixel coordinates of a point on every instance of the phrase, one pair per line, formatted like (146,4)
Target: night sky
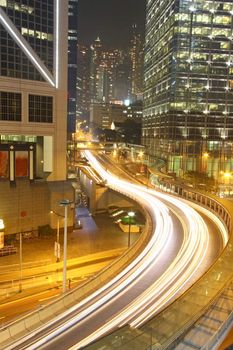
(110,20)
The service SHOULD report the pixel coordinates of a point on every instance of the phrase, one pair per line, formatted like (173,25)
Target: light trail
(160,237)
(164,289)
(191,255)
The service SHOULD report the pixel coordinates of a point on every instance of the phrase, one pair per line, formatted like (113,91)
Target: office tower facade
(33,76)
(33,107)
(122,80)
(83,82)
(72,63)
(103,64)
(95,61)
(188,101)
(103,115)
(137,64)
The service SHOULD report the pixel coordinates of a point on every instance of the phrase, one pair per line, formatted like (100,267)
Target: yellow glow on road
(190,256)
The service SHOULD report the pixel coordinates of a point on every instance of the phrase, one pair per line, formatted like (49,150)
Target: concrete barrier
(32,321)
(45,313)
(18,329)
(5,338)
(69,300)
(56,308)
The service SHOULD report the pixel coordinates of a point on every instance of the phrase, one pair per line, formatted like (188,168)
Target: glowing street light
(140,154)
(227,175)
(205,155)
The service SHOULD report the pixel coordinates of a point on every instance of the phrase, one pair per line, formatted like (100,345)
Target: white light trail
(165,288)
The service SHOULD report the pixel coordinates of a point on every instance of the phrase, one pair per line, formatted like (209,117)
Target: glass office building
(33,111)
(33,89)
(34,20)
(72,63)
(188,100)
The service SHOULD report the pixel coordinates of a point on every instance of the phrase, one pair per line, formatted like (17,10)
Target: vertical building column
(31,163)
(12,164)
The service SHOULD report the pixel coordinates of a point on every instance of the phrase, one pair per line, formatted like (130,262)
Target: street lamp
(57,243)
(205,155)
(131,214)
(65,203)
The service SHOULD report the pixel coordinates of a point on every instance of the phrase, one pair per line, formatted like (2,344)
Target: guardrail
(208,201)
(12,331)
(214,340)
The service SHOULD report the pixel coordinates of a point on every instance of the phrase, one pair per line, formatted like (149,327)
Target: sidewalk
(96,235)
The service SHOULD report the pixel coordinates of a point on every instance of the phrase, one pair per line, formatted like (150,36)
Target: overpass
(32,321)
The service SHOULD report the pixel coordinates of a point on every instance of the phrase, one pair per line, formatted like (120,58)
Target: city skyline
(110,20)
(116,174)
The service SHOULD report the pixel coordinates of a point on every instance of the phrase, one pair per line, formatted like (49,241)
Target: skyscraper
(122,80)
(33,106)
(72,63)
(95,61)
(188,104)
(103,64)
(137,64)
(83,82)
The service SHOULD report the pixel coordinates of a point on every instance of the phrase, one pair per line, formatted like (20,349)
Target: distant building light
(126,103)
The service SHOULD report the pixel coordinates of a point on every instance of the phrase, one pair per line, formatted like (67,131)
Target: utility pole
(20,261)
(65,203)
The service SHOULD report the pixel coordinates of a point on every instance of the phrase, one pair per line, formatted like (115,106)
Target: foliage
(126,220)
(199,178)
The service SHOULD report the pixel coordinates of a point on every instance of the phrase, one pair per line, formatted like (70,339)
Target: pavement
(97,234)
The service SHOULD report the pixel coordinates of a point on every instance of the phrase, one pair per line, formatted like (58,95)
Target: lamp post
(20,261)
(131,214)
(65,203)
(57,243)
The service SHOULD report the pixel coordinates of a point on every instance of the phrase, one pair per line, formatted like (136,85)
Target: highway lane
(34,294)
(108,291)
(125,297)
(161,268)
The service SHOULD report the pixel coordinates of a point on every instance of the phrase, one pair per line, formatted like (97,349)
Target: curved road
(172,260)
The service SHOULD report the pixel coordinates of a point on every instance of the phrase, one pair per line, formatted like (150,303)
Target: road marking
(52,296)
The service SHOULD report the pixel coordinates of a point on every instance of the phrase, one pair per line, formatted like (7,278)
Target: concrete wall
(106,197)
(100,197)
(27,205)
